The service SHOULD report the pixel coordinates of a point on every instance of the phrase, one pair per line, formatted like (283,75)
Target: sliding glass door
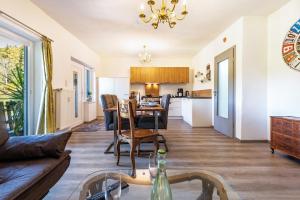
(21,80)
(13,78)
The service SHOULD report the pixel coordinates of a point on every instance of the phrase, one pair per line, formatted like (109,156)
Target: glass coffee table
(187,185)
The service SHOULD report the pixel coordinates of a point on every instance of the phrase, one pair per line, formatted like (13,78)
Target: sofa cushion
(17,177)
(28,147)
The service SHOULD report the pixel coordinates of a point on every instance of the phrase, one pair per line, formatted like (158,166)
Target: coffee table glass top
(187,185)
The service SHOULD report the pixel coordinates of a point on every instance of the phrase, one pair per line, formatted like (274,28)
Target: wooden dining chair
(133,136)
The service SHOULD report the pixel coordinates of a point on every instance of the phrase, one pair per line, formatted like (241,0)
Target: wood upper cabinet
(159,75)
(135,75)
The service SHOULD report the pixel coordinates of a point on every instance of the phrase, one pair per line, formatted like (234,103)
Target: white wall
(120,66)
(64,46)
(246,34)
(283,82)
(254,79)
(234,35)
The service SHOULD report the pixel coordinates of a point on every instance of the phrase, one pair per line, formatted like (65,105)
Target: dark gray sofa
(31,179)
(30,166)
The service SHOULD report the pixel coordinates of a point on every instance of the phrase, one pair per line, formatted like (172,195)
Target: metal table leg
(115,133)
(156,121)
(107,150)
(163,139)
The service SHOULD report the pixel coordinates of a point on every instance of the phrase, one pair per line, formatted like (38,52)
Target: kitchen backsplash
(163,89)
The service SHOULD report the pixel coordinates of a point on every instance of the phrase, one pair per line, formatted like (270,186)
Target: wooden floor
(249,168)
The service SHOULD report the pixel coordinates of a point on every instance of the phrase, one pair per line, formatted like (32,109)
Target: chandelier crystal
(145,56)
(165,14)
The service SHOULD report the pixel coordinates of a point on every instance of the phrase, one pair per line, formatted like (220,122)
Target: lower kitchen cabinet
(175,109)
(89,111)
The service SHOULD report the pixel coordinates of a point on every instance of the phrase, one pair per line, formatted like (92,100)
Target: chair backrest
(134,104)
(114,99)
(108,101)
(165,102)
(125,111)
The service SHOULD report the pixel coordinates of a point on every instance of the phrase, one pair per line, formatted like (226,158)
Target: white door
(224,93)
(116,86)
(121,88)
(106,86)
(77,102)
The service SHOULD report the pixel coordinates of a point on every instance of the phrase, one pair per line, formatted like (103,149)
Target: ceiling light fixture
(163,14)
(145,56)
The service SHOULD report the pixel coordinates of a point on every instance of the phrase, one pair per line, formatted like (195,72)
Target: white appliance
(116,85)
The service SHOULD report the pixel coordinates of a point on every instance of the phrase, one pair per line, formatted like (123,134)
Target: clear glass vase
(161,189)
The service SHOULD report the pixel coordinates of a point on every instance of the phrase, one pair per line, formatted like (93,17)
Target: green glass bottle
(161,189)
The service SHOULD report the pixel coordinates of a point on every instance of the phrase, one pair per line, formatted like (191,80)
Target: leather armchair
(108,101)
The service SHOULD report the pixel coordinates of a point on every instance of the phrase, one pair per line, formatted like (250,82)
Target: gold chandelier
(164,14)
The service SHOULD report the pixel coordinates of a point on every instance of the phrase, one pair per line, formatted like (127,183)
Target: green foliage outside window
(12,86)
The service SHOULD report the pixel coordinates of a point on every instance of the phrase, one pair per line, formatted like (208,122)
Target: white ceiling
(112,27)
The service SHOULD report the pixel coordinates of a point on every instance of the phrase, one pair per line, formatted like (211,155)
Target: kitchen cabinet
(197,112)
(136,75)
(175,108)
(173,75)
(89,111)
(187,110)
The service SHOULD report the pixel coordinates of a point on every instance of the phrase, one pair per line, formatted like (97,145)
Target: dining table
(142,108)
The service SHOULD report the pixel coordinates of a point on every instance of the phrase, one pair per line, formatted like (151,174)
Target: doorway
(13,70)
(224,92)
(77,94)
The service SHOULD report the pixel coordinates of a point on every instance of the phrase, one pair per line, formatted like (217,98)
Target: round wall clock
(291,47)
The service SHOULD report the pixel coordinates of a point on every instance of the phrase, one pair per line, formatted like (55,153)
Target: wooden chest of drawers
(285,135)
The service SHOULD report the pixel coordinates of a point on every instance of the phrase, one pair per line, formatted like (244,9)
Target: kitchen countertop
(177,97)
(199,97)
(187,97)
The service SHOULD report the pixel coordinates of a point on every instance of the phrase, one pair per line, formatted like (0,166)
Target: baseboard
(251,141)
(73,125)
(174,117)
(201,126)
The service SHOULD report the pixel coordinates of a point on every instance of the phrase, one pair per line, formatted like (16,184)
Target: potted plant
(89,96)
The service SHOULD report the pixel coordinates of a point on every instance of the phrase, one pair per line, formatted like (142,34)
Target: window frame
(18,34)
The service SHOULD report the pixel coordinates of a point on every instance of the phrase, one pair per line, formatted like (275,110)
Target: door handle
(215,93)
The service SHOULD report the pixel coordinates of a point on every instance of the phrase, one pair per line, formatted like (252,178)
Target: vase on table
(161,189)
